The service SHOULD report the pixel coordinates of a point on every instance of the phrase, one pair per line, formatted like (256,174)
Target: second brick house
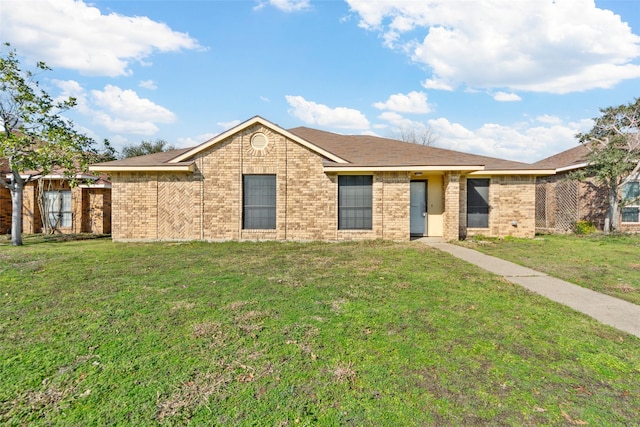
(85,208)
(562,200)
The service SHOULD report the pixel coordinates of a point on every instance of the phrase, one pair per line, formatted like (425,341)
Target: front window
(259,202)
(478,203)
(631,202)
(57,206)
(355,202)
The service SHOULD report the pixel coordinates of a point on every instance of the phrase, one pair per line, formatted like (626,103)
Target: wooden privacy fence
(557,206)
(562,201)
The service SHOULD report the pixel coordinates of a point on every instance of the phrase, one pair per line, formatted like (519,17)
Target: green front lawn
(605,263)
(284,334)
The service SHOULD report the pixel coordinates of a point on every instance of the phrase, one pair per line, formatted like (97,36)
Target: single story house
(561,200)
(259,181)
(85,208)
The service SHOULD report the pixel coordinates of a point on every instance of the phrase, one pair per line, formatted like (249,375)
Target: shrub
(584,227)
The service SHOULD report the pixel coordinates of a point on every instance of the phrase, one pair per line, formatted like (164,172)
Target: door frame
(426,207)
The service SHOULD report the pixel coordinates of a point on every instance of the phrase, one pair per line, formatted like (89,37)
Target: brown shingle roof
(366,150)
(156,159)
(573,157)
(357,150)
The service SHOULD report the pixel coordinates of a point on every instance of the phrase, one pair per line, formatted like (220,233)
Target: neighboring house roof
(573,158)
(149,162)
(4,166)
(340,153)
(100,180)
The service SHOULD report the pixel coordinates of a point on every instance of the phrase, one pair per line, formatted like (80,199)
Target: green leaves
(146,147)
(614,150)
(35,136)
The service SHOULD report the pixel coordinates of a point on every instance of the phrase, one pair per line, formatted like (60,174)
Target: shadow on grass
(34,239)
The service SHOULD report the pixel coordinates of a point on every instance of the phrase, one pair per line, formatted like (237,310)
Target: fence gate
(566,205)
(542,217)
(557,206)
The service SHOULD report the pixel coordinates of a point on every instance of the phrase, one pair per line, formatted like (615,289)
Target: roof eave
(515,172)
(54,176)
(446,168)
(572,167)
(95,186)
(151,168)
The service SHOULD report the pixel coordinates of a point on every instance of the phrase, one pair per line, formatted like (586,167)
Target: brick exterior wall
(207,204)
(96,210)
(396,206)
(511,201)
(134,206)
(30,213)
(453,204)
(5,210)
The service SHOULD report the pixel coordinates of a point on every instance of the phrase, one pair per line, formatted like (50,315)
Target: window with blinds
(259,202)
(478,203)
(631,202)
(355,202)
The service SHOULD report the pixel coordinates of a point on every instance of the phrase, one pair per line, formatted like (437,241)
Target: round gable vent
(259,141)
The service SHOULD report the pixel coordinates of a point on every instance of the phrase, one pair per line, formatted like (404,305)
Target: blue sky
(506,78)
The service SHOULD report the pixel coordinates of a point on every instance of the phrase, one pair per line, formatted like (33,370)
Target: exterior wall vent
(259,141)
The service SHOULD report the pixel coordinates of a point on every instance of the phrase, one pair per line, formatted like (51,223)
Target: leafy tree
(146,147)
(422,135)
(106,153)
(35,137)
(614,154)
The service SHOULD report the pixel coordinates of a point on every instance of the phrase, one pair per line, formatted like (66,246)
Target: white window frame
(634,205)
(57,205)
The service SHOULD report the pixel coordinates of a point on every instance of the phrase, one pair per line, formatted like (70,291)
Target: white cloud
(285,5)
(228,125)
(506,97)
(400,122)
(148,84)
(525,142)
(127,103)
(548,119)
(551,46)
(185,142)
(118,110)
(321,115)
(72,34)
(413,102)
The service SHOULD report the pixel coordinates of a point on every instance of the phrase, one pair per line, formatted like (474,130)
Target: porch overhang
(539,172)
(371,169)
(188,167)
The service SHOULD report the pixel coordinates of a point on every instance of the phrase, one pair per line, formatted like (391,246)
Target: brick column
(30,212)
(451,225)
(77,204)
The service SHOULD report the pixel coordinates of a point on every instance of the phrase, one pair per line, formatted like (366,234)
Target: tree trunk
(17,186)
(613,213)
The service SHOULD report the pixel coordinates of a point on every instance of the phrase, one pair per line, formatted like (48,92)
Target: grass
(605,263)
(283,334)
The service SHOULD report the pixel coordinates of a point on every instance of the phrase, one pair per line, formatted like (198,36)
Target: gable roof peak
(247,124)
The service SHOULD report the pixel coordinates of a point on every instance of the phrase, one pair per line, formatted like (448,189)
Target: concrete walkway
(615,312)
